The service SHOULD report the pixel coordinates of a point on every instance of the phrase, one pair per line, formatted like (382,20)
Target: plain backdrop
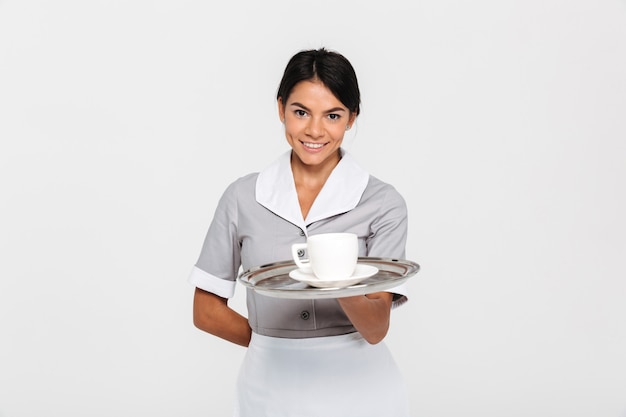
(503,123)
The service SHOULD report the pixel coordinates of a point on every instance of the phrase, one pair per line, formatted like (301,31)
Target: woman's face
(315,122)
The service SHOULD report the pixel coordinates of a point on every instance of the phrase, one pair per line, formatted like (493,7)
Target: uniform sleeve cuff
(400,295)
(211,283)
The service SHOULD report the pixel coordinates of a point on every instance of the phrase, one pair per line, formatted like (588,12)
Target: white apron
(336,376)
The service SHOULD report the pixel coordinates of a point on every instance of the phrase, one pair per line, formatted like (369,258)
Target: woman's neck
(310,179)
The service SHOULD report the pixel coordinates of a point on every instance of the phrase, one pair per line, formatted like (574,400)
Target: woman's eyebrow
(303,107)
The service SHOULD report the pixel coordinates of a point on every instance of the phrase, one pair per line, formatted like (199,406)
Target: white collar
(276,190)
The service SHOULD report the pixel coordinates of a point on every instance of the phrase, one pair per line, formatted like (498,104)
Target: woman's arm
(212,314)
(369,314)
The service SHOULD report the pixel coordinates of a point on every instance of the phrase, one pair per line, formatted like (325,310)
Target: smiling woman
(314,117)
(330,347)
(318,100)
(315,122)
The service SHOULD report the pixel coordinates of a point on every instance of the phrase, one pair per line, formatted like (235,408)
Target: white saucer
(361,272)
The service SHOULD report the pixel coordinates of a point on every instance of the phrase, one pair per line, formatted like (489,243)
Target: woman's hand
(212,314)
(369,314)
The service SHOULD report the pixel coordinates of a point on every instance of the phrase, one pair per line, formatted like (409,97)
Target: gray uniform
(257,220)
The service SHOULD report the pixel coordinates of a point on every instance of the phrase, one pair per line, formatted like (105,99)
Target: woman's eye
(300,113)
(334,116)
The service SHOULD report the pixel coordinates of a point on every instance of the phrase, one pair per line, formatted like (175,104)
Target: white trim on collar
(276,190)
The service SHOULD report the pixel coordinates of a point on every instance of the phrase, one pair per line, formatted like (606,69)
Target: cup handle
(302,264)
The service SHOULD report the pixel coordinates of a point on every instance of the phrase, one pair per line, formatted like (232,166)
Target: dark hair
(331,68)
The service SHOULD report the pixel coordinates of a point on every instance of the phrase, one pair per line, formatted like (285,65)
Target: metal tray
(273,280)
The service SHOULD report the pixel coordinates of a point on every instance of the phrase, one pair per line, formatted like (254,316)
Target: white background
(503,123)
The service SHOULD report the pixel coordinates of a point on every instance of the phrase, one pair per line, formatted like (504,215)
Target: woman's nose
(315,128)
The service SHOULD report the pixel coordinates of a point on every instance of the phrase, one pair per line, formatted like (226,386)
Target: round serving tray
(273,280)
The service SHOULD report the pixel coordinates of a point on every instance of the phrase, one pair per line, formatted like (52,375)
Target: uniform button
(301,232)
(305,315)
(300,253)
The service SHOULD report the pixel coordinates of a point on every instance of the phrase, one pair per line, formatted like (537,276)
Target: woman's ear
(352,119)
(281,110)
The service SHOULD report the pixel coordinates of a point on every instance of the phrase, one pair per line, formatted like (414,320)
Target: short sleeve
(389,235)
(220,257)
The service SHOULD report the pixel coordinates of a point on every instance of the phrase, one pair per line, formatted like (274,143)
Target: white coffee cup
(331,256)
